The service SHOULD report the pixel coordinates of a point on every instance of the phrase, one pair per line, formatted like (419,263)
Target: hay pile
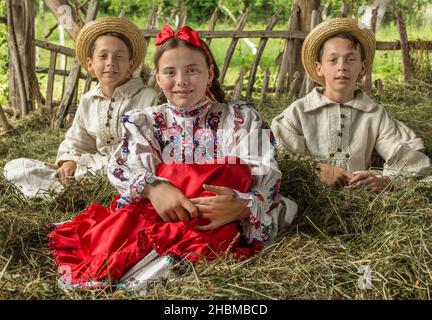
(339,237)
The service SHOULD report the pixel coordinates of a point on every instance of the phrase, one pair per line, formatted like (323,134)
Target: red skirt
(104,243)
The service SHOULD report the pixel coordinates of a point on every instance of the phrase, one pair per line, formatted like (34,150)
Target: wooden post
(239,85)
(183,17)
(295,85)
(305,17)
(265,86)
(50,83)
(404,46)
(73,78)
(230,51)
(379,86)
(23,84)
(316,19)
(70,19)
(259,53)
(345,9)
(368,78)
(150,25)
(290,45)
(212,25)
(3,121)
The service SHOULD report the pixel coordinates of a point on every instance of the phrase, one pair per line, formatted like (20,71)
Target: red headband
(185,33)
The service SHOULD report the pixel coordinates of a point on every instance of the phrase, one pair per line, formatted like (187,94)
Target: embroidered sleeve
(256,147)
(134,163)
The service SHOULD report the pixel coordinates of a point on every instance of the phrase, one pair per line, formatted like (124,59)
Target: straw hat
(92,30)
(331,27)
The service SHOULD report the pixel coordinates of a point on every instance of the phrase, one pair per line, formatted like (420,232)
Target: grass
(336,234)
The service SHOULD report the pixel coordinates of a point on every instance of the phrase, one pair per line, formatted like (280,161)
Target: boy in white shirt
(110,49)
(340,126)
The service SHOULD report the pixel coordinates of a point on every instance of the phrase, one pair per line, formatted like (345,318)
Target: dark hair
(215,87)
(117,35)
(355,43)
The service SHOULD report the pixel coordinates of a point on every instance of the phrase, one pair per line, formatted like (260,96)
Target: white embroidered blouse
(209,130)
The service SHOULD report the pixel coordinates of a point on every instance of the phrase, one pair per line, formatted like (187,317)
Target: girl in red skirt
(197,177)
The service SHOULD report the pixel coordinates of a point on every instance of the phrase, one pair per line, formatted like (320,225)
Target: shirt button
(342,126)
(340,134)
(109,116)
(112,100)
(347,156)
(339,150)
(342,115)
(111,108)
(107,124)
(108,142)
(331,155)
(341,105)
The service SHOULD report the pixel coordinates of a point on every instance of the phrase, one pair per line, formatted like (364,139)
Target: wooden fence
(288,80)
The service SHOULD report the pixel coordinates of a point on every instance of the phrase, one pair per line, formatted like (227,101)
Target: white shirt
(95,131)
(346,134)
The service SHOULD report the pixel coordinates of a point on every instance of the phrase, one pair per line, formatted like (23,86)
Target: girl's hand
(221,209)
(334,175)
(170,203)
(370,181)
(67,169)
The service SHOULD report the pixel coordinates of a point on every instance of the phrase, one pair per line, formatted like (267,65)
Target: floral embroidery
(272,139)
(160,120)
(214,120)
(274,191)
(258,195)
(125,145)
(189,112)
(237,119)
(265,232)
(119,174)
(254,221)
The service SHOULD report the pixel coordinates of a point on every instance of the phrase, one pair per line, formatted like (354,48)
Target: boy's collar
(126,90)
(316,99)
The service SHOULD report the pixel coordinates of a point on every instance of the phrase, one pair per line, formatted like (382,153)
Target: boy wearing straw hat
(340,126)
(110,49)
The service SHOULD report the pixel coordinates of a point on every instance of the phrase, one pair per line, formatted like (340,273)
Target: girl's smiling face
(183,75)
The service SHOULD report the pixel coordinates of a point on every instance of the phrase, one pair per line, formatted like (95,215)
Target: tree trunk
(304,23)
(306,8)
(67,16)
(24,87)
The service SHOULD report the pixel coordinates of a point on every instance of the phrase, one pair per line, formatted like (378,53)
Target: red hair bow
(185,33)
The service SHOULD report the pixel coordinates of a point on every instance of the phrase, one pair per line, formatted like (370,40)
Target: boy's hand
(67,169)
(370,181)
(170,203)
(333,175)
(221,209)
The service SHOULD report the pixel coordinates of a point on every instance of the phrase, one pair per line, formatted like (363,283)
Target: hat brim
(92,30)
(316,38)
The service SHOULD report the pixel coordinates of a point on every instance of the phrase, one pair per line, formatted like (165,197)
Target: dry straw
(316,38)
